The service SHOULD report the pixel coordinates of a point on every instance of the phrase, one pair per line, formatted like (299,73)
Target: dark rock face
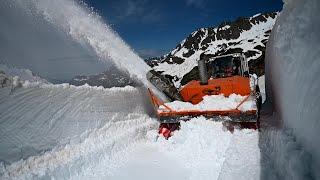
(107,79)
(154,61)
(174,60)
(244,35)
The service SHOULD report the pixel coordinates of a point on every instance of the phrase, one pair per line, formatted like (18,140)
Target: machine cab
(227,66)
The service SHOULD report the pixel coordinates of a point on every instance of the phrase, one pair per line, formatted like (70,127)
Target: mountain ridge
(248,35)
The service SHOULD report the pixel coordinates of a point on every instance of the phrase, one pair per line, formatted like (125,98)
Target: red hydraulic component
(166,129)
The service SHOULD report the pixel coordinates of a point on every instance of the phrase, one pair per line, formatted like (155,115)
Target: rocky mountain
(244,35)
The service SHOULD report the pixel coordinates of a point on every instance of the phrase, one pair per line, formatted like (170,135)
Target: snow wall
(293,83)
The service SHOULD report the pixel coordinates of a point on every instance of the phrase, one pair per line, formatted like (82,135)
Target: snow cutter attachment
(168,115)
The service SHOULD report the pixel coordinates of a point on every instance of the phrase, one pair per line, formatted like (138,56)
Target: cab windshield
(224,67)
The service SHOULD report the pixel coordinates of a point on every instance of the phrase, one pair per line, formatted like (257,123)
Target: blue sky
(153,28)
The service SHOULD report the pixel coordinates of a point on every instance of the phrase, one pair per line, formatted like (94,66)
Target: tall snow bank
(36,119)
(292,72)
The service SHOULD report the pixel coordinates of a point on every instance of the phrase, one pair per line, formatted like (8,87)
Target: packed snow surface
(212,103)
(200,150)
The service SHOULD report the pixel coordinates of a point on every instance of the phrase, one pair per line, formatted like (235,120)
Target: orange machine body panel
(193,91)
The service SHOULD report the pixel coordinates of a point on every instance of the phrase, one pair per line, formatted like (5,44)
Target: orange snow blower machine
(221,79)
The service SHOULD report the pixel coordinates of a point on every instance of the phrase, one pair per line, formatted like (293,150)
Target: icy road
(63,131)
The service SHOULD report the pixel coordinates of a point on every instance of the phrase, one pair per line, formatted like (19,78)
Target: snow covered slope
(292,75)
(247,35)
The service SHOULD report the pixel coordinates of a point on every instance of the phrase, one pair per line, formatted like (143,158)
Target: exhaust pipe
(203,73)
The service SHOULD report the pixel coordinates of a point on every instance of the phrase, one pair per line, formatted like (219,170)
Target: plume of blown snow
(85,26)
